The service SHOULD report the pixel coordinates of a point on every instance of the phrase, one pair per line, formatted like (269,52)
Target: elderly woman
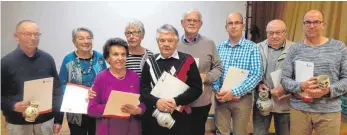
(80,67)
(117,77)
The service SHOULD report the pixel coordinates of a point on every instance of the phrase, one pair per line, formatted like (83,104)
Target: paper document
(115,102)
(197,62)
(75,99)
(40,90)
(168,86)
(276,77)
(234,78)
(303,71)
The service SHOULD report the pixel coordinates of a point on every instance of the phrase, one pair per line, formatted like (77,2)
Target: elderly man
(236,103)
(209,65)
(25,63)
(184,68)
(328,57)
(273,52)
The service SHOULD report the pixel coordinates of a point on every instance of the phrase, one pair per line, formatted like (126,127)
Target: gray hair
(74,33)
(137,24)
(192,10)
(23,21)
(167,28)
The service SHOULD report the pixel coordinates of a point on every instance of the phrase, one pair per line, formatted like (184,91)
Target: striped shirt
(134,62)
(244,55)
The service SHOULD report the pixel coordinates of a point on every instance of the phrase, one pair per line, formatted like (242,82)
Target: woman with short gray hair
(80,67)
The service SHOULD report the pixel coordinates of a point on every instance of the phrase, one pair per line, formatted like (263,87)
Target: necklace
(119,78)
(78,65)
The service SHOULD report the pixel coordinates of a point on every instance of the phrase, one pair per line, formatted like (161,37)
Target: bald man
(273,52)
(25,63)
(236,103)
(328,57)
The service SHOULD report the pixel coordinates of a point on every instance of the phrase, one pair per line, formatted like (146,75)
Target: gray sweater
(330,59)
(209,63)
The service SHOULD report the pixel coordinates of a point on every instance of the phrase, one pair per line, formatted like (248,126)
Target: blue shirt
(244,55)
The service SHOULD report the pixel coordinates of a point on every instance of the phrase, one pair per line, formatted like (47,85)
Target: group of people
(195,60)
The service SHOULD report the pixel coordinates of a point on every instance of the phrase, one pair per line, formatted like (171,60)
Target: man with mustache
(236,103)
(329,57)
(273,52)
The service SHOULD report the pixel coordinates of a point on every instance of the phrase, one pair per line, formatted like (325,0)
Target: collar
(281,47)
(239,43)
(20,51)
(197,37)
(174,55)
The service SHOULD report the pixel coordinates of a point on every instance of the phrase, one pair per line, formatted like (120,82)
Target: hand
(91,94)
(317,93)
(284,97)
(262,87)
(203,77)
(228,96)
(56,128)
(310,83)
(173,103)
(165,105)
(278,91)
(21,106)
(134,110)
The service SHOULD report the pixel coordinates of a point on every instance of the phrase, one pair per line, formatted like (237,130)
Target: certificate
(75,99)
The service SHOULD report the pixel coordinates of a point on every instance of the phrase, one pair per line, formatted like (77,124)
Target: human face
(191,23)
(234,25)
(167,42)
(117,57)
(276,34)
(134,36)
(28,36)
(83,41)
(313,24)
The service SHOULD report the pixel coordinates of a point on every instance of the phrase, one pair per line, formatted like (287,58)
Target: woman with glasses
(80,67)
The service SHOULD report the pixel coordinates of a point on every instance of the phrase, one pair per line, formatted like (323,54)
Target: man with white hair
(273,51)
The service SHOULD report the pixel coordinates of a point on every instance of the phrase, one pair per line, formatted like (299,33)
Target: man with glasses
(273,52)
(25,63)
(236,103)
(210,66)
(328,57)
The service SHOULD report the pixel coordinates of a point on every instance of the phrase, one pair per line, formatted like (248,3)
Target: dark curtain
(263,12)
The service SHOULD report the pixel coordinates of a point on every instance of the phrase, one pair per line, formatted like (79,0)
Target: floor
(65,129)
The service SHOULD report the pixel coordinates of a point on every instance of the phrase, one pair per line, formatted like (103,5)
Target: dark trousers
(87,127)
(199,117)
(182,125)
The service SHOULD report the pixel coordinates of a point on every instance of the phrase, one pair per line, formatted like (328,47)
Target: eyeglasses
(29,35)
(315,23)
(134,33)
(192,20)
(271,33)
(234,23)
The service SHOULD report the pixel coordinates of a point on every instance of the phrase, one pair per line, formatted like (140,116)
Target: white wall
(107,19)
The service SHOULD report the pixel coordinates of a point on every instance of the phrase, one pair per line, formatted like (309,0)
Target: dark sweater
(16,68)
(193,81)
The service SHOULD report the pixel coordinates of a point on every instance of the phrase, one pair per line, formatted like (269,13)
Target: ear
(182,23)
(16,36)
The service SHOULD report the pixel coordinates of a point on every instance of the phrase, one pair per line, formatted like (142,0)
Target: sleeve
(216,85)
(57,96)
(63,75)
(195,86)
(254,76)
(7,103)
(216,66)
(141,105)
(288,73)
(340,87)
(145,87)
(95,107)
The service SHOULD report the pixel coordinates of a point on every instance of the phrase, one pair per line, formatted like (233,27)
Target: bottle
(164,119)
(264,103)
(32,111)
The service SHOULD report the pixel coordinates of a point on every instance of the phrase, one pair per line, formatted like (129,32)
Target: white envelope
(75,99)
(276,77)
(234,78)
(40,90)
(303,71)
(168,86)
